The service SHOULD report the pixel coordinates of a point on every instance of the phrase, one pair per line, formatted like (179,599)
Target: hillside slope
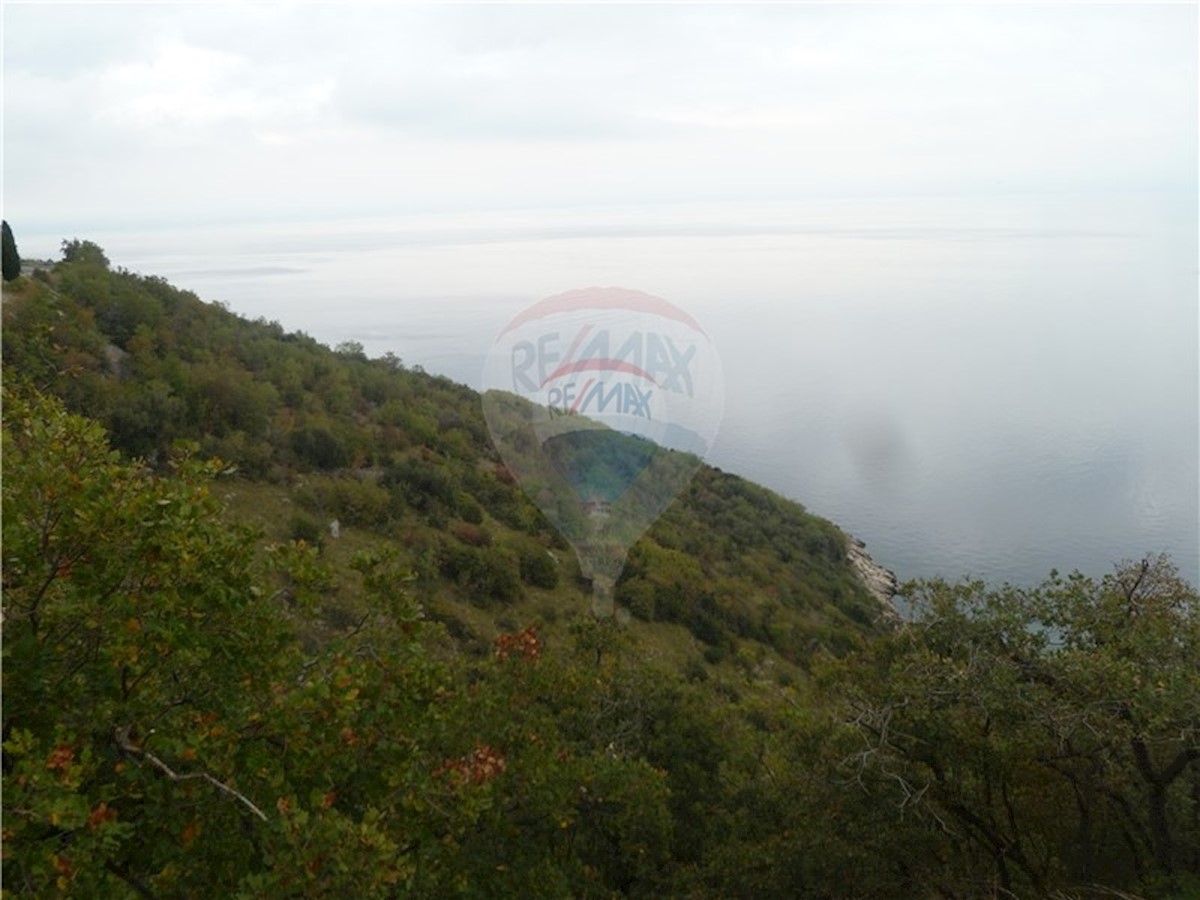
(403,458)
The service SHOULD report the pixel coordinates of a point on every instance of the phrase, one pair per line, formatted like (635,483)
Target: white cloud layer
(196,113)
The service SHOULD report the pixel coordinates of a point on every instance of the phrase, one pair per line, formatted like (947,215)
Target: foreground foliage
(165,736)
(1039,738)
(166,733)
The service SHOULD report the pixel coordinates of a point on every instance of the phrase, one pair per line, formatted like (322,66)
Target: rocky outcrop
(880,582)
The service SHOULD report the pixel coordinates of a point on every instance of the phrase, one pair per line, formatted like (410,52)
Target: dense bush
(318,448)
(474,535)
(485,575)
(423,486)
(351,500)
(538,567)
(305,528)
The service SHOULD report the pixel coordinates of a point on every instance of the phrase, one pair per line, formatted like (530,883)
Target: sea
(989,386)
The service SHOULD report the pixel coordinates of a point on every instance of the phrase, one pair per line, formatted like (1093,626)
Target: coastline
(879,581)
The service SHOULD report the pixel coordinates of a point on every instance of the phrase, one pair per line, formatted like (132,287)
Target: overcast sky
(163,115)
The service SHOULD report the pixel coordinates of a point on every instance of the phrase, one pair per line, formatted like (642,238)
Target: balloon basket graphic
(603,604)
(602,403)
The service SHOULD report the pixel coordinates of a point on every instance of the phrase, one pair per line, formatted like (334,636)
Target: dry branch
(123,741)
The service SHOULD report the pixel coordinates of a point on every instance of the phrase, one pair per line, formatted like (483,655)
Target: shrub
(705,627)
(305,528)
(318,448)
(423,485)
(637,595)
(715,653)
(354,501)
(469,510)
(488,575)
(538,568)
(471,534)
(695,670)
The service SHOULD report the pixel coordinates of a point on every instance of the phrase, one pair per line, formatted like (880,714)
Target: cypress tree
(12,259)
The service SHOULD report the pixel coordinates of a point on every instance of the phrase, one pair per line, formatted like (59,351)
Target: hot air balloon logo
(603,402)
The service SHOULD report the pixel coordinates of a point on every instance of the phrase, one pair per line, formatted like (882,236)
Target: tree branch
(121,736)
(1175,768)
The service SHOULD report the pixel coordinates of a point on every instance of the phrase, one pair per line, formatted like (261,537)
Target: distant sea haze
(987,386)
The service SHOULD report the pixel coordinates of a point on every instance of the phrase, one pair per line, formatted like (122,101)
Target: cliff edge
(879,581)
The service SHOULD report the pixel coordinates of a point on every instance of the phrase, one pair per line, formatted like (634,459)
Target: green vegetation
(211,691)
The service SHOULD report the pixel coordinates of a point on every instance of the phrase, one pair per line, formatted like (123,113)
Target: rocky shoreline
(880,582)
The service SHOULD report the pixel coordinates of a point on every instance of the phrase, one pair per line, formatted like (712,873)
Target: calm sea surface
(993,387)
